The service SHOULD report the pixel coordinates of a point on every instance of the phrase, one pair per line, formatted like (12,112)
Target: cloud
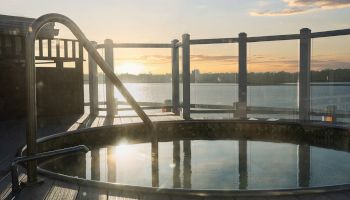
(283,12)
(319,3)
(295,7)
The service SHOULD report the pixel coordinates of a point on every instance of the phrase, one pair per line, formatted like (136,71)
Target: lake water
(280,96)
(210,164)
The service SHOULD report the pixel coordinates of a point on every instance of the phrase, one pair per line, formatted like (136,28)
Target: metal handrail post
(186,77)
(304,74)
(241,111)
(110,99)
(175,77)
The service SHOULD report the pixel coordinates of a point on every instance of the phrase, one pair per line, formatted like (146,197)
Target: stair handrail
(32,33)
(49,154)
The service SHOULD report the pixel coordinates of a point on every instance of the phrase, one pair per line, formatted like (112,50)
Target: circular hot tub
(206,157)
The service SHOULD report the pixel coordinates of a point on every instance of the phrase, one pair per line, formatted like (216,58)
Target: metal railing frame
(242,40)
(304,37)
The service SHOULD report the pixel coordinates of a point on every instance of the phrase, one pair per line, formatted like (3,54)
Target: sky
(160,21)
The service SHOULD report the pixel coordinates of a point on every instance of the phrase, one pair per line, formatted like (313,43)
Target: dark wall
(12,92)
(59,91)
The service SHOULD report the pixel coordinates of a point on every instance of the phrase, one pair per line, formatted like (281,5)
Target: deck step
(91,193)
(37,191)
(62,190)
(6,185)
(120,195)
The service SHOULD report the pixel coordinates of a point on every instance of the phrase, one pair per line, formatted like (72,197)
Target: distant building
(60,89)
(195,74)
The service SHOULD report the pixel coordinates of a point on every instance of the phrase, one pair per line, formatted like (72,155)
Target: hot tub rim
(197,192)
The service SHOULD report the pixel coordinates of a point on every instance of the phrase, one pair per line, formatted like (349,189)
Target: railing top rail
(213,41)
(60,39)
(231,40)
(138,45)
(330,33)
(271,37)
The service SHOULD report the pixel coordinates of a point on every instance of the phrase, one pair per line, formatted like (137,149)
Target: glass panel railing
(330,77)
(272,80)
(214,88)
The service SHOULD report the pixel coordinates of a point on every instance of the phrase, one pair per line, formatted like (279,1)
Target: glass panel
(272,79)
(330,66)
(145,72)
(214,86)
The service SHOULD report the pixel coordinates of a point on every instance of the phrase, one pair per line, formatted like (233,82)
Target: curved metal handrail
(32,33)
(49,154)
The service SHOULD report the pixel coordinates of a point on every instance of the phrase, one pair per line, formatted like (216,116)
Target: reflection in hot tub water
(210,164)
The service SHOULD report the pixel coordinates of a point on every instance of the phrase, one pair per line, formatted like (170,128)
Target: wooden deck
(13,136)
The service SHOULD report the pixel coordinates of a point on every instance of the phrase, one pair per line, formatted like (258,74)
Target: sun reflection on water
(128,153)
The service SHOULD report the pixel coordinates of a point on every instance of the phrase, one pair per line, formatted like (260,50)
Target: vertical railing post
(58,48)
(80,69)
(243,164)
(40,48)
(65,46)
(31,125)
(110,100)
(187,165)
(241,111)
(304,165)
(304,74)
(59,63)
(186,80)
(176,161)
(175,77)
(93,84)
(155,161)
(73,49)
(95,164)
(49,48)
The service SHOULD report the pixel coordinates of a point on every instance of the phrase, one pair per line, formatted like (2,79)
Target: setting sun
(130,67)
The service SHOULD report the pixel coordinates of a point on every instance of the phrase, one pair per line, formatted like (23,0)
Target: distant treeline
(337,75)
